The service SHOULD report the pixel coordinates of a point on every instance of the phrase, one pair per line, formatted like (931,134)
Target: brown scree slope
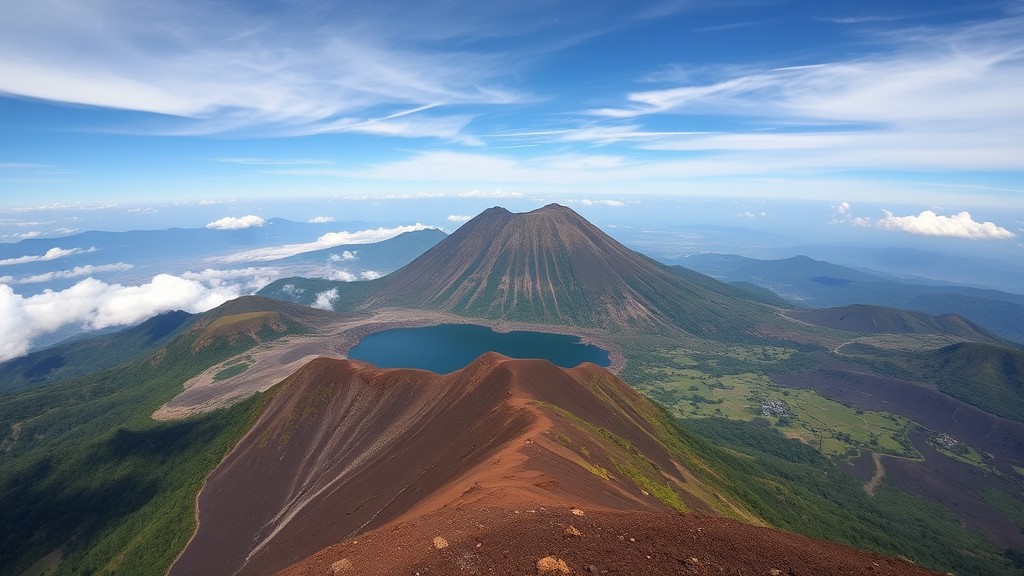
(346,450)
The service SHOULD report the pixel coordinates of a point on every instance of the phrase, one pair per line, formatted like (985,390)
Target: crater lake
(448,347)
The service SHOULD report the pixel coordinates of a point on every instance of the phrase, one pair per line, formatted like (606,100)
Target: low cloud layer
(929,223)
(92,304)
(329,240)
(233,223)
(321,220)
(51,254)
(76,272)
(615,203)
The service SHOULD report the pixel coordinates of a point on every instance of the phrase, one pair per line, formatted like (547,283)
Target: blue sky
(907,106)
(871,123)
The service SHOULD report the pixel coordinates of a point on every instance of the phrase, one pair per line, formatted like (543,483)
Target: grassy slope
(990,377)
(89,355)
(792,485)
(91,471)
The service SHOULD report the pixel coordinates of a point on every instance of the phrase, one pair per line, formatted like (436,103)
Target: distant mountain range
(814,283)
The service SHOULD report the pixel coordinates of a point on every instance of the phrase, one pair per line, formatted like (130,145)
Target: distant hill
(86,355)
(548,266)
(808,282)
(868,319)
(924,267)
(988,376)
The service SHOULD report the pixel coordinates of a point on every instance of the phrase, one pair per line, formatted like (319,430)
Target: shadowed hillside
(867,319)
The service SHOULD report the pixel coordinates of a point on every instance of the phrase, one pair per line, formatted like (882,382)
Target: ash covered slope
(344,447)
(549,266)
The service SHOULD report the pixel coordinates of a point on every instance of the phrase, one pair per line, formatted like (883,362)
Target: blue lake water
(449,347)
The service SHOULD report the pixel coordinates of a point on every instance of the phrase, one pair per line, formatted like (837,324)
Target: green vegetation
(792,486)
(987,376)
(90,471)
(699,384)
(781,466)
(85,356)
(233,370)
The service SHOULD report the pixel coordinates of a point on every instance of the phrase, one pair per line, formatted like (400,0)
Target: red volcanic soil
(344,447)
(347,452)
(485,540)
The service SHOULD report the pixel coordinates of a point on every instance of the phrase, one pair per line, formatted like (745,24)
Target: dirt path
(872,484)
(271,362)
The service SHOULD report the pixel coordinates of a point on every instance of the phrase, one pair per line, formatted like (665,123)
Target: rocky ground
(556,541)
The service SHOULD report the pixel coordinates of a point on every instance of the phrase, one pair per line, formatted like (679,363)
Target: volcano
(549,266)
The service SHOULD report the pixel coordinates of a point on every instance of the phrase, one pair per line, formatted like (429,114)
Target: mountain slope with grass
(90,483)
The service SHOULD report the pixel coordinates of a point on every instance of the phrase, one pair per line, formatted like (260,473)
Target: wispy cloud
(459,218)
(329,240)
(934,99)
(234,67)
(76,272)
(236,223)
(51,254)
(960,225)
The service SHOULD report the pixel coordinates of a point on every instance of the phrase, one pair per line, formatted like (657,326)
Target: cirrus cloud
(960,225)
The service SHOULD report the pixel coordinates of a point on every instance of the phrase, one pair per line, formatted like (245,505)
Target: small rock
(775,572)
(340,566)
(552,565)
(573,531)
(592,569)
(692,561)
(576,511)
(632,539)
(440,543)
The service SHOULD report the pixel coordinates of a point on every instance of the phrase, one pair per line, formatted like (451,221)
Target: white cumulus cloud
(51,254)
(459,218)
(495,194)
(233,223)
(329,240)
(929,223)
(321,220)
(325,300)
(347,255)
(93,304)
(588,202)
(247,280)
(370,274)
